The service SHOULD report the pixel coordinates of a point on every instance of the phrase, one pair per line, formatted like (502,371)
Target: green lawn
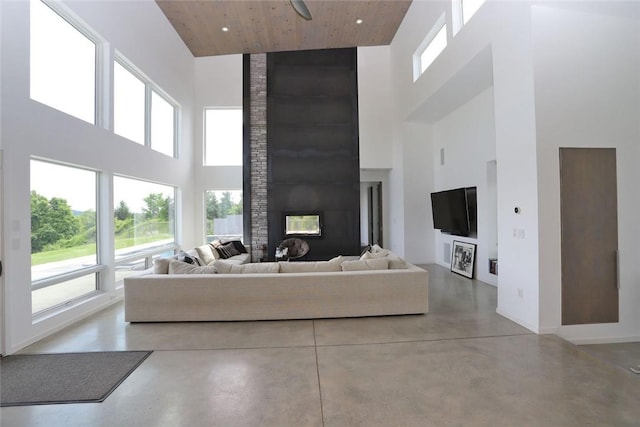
(90,249)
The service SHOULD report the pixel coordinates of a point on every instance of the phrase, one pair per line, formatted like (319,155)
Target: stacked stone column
(258,143)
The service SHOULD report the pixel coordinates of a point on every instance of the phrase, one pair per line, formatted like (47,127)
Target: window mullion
(147,116)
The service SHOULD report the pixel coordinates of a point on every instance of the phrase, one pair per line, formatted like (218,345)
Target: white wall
(417,146)
(493,48)
(467,137)
(218,82)
(139,31)
(585,92)
(587,81)
(375,107)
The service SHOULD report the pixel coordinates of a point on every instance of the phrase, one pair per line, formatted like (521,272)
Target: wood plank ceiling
(274,26)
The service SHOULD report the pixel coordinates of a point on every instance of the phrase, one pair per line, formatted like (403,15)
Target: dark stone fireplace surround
(301,148)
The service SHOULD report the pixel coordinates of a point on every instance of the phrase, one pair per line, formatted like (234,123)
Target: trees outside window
(223,215)
(64,252)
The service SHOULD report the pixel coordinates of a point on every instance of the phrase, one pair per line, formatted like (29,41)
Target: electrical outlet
(520,293)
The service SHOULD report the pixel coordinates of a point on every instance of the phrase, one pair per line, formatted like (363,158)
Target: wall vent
(446,253)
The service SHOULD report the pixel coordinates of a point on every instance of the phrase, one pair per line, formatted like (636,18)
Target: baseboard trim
(600,340)
(532,328)
(548,331)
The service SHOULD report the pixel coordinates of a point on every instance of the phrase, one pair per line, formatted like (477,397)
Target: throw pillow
(375,248)
(239,246)
(227,250)
(214,251)
(179,267)
(206,254)
(189,259)
(380,254)
(395,262)
(367,264)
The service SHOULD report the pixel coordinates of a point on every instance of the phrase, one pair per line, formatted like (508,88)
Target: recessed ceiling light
(358,21)
(225,29)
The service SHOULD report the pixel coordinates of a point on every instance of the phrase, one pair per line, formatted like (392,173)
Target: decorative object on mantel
(463,258)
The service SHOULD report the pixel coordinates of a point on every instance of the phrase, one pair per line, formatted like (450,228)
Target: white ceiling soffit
(464,85)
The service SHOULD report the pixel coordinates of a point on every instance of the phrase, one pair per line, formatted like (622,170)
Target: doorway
(371,213)
(589,235)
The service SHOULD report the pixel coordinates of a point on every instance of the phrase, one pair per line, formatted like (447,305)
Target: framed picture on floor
(463,258)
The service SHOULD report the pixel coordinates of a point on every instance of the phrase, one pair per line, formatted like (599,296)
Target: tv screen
(454,211)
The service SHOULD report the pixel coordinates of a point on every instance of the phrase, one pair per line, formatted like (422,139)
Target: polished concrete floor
(459,365)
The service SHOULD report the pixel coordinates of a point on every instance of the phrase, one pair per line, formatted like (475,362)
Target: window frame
(438,26)
(131,70)
(150,88)
(100,86)
(150,253)
(204,210)
(155,90)
(98,269)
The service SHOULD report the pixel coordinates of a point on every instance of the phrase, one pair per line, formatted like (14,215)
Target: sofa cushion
(224,267)
(311,266)
(179,267)
(395,262)
(161,265)
(366,264)
(205,253)
(238,259)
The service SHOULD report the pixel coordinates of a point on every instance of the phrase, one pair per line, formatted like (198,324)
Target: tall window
(141,114)
(64,256)
(128,104)
(223,215)
(462,11)
(63,64)
(430,48)
(144,223)
(162,125)
(223,137)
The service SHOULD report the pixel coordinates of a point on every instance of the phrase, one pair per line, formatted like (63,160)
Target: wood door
(589,236)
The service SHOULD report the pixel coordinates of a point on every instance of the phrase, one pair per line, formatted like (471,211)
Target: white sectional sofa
(262,291)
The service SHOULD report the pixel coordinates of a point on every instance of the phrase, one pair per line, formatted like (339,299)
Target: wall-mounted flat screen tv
(454,211)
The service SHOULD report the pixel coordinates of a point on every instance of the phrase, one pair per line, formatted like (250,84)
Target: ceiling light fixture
(225,29)
(358,21)
(301,9)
